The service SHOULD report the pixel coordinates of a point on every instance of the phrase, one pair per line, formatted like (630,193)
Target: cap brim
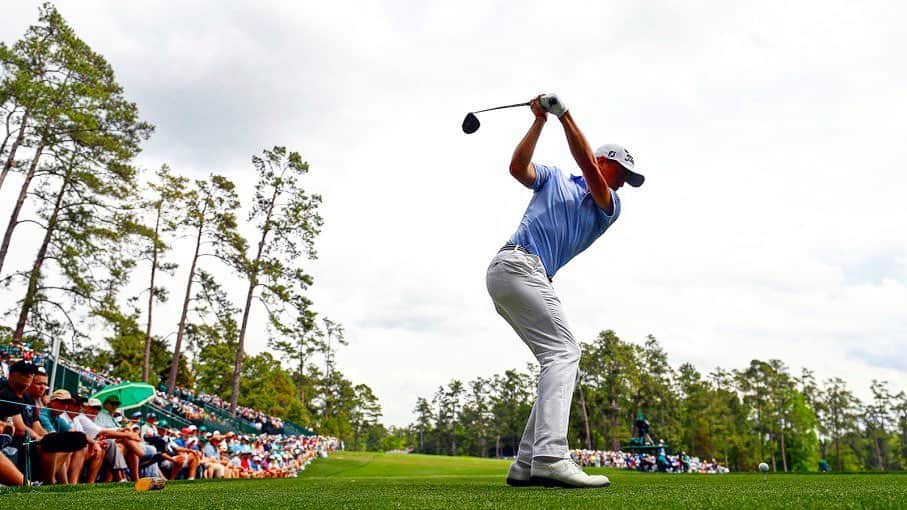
(634,179)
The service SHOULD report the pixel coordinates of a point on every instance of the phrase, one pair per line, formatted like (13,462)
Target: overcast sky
(773,221)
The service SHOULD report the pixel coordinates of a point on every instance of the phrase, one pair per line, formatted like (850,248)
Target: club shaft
(499,107)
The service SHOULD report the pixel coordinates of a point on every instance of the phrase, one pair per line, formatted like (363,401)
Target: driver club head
(470,123)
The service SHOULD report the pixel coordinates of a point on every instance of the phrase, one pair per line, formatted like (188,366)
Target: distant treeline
(740,417)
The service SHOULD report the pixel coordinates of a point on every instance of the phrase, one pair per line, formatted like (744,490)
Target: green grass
(368,480)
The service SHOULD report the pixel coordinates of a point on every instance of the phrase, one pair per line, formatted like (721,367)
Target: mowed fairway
(368,480)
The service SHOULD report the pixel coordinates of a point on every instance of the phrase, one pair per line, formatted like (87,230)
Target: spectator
(16,404)
(191,457)
(149,429)
(211,463)
(4,367)
(124,448)
(55,418)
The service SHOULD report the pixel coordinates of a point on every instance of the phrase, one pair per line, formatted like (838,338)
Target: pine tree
(287,221)
(167,206)
(211,217)
(70,105)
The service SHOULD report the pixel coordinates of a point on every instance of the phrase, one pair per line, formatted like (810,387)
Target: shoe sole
(513,482)
(551,482)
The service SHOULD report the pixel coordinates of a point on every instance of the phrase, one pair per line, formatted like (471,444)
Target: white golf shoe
(565,473)
(519,474)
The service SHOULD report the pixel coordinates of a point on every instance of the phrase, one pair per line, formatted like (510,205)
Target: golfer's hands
(537,109)
(552,104)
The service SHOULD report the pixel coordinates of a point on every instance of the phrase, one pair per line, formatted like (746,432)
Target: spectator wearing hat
(77,416)
(93,455)
(124,447)
(210,461)
(55,418)
(183,456)
(149,429)
(17,405)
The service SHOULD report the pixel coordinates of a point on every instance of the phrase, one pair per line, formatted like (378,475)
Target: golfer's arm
(521,163)
(584,157)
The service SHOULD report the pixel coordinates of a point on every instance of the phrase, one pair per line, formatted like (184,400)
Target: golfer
(566,215)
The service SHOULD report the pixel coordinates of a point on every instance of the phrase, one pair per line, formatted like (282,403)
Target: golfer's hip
(512,269)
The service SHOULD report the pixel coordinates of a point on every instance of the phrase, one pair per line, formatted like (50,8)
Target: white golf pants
(523,295)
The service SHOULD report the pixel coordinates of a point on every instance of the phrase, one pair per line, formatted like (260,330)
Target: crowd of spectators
(61,438)
(185,403)
(657,462)
(261,421)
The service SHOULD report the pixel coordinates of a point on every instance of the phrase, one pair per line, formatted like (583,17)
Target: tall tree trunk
(12,152)
(582,401)
(761,431)
(146,359)
(253,282)
(838,452)
(783,449)
(837,433)
(612,428)
(878,450)
(35,275)
(240,345)
(175,363)
(23,193)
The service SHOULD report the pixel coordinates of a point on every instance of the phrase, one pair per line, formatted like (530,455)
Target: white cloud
(772,223)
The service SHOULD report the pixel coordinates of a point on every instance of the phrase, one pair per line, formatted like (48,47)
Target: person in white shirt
(124,447)
(149,429)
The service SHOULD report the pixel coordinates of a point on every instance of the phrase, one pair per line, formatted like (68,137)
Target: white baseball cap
(621,155)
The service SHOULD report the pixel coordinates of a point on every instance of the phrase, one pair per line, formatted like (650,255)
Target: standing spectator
(4,367)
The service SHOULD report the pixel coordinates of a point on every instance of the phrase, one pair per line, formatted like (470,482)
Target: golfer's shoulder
(544,172)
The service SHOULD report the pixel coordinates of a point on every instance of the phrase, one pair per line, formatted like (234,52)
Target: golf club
(471,122)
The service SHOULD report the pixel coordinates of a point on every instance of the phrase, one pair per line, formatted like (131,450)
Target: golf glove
(553,105)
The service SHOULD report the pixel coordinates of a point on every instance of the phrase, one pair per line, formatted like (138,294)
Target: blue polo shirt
(562,219)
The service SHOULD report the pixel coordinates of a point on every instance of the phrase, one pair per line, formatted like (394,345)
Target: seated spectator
(124,447)
(56,419)
(185,451)
(34,446)
(149,429)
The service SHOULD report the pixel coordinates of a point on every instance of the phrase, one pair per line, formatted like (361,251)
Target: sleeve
(604,219)
(77,425)
(61,425)
(7,406)
(46,420)
(8,409)
(542,173)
